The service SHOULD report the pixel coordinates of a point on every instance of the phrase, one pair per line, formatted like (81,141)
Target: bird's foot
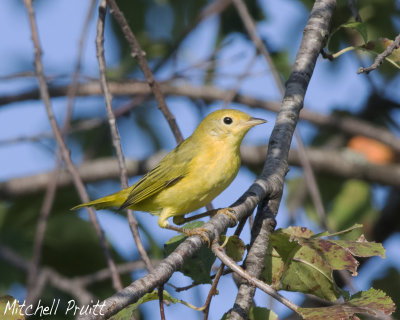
(202,232)
(228,212)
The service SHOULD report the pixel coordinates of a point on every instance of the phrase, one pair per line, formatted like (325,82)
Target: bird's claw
(228,212)
(202,232)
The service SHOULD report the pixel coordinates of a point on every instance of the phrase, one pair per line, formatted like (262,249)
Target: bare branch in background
(64,150)
(49,275)
(252,31)
(214,8)
(139,55)
(343,163)
(347,124)
(133,224)
(34,290)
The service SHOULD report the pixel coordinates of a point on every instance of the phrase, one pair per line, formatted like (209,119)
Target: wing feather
(173,168)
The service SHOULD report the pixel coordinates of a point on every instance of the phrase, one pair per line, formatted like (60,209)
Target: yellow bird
(191,175)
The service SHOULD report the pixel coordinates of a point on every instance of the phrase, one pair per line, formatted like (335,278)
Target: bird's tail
(112,200)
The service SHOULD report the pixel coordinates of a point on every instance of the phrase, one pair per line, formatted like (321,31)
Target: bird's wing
(169,171)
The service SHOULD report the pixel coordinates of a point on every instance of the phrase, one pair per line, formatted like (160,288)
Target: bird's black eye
(228,120)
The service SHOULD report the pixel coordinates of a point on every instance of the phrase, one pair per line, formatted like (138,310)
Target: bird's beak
(255,121)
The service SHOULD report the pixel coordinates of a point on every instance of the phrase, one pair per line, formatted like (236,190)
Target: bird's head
(227,124)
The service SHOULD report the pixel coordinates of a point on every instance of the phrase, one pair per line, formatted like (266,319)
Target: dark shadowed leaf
(372,302)
(198,267)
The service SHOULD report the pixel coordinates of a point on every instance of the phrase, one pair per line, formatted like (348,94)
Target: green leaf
(198,267)
(10,309)
(351,204)
(258,313)
(293,267)
(372,302)
(234,247)
(390,284)
(297,260)
(362,248)
(360,27)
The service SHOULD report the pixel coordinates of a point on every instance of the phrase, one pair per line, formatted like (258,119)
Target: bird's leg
(202,232)
(179,220)
(163,223)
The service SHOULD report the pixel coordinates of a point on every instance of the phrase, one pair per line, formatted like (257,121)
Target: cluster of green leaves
(297,260)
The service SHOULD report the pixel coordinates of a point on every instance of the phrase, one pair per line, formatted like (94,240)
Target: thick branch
(349,125)
(275,167)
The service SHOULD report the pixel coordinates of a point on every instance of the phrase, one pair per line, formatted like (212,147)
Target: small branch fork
(44,93)
(381,57)
(253,281)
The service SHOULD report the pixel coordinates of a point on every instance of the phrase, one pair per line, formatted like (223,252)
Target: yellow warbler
(191,175)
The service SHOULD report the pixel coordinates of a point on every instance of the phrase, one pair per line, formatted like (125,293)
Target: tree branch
(275,166)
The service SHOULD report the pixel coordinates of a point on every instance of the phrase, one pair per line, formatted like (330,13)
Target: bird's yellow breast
(210,172)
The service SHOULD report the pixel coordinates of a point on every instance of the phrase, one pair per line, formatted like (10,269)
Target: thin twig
(232,93)
(139,55)
(252,280)
(381,57)
(33,289)
(161,301)
(213,291)
(64,150)
(254,36)
(311,183)
(214,8)
(133,224)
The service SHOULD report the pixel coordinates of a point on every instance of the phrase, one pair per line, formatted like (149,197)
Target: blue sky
(60,24)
